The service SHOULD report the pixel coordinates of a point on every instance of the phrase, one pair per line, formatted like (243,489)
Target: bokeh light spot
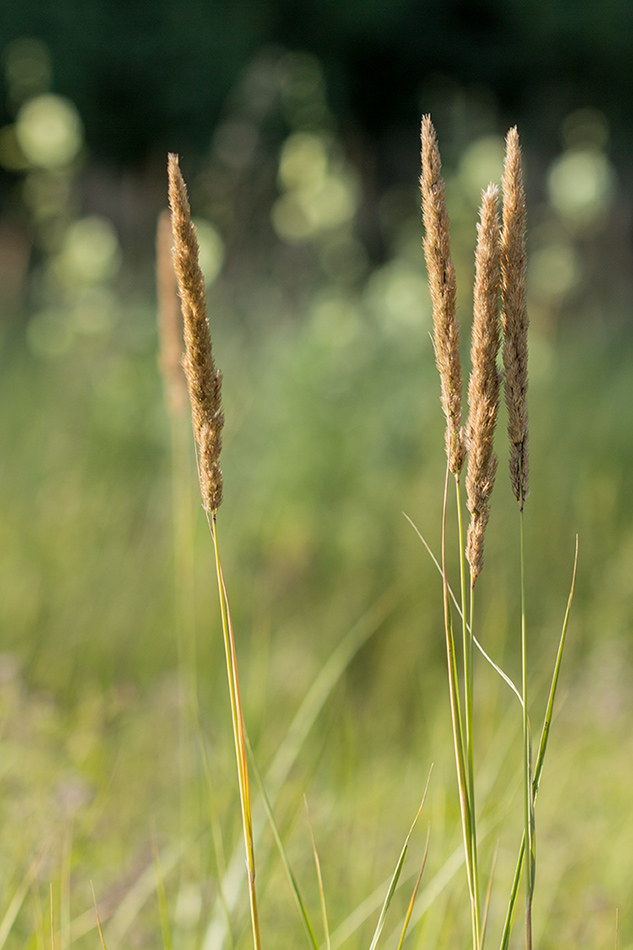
(581,186)
(49,131)
(90,253)
(554,271)
(397,295)
(303,162)
(481,163)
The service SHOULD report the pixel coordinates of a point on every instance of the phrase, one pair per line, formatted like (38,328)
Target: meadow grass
(85,753)
(500,272)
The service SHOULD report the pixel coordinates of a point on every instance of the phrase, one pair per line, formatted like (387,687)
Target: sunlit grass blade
(538,767)
(396,874)
(237,719)
(286,756)
(317,863)
(504,676)
(94,900)
(540,758)
(373,901)
(459,732)
(415,890)
(294,884)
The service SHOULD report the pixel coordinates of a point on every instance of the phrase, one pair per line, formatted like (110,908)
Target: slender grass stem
(238,732)
(458,726)
(527,760)
(467,643)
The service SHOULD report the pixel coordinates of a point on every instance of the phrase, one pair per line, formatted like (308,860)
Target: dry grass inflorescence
(501,264)
(499,313)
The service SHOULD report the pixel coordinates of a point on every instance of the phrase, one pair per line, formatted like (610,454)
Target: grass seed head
(514,316)
(484,383)
(204,380)
(442,286)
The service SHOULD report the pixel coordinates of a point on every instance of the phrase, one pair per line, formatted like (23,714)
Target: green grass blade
(415,890)
(239,734)
(396,874)
(504,676)
(94,901)
(294,884)
(283,762)
(317,863)
(514,893)
(538,767)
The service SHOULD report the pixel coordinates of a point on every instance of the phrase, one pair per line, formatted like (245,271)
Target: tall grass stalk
(501,267)
(514,317)
(442,285)
(204,383)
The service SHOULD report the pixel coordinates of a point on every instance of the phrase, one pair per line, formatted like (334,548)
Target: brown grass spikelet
(204,380)
(484,383)
(169,318)
(514,316)
(443,291)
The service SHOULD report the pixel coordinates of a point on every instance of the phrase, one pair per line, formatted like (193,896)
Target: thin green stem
(238,733)
(471,775)
(457,720)
(467,644)
(527,762)
(540,758)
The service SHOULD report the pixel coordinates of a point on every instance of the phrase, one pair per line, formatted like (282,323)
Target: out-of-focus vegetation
(320,318)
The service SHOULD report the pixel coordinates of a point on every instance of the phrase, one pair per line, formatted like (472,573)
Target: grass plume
(205,383)
(442,285)
(514,319)
(204,380)
(514,315)
(483,389)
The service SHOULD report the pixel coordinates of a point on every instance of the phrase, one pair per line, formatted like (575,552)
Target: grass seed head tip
(442,287)
(484,383)
(204,381)
(515,314)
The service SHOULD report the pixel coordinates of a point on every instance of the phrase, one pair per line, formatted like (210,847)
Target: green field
(116,747)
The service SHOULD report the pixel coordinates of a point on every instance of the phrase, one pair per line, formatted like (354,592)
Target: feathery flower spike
(483,388)
(204,380)
(442,287)
(514,316)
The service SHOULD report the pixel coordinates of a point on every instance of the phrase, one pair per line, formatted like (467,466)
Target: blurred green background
(298,130)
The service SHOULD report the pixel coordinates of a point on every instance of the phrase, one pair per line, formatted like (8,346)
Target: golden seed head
(442,287)
(204,381)
(484,383)
(514,316)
